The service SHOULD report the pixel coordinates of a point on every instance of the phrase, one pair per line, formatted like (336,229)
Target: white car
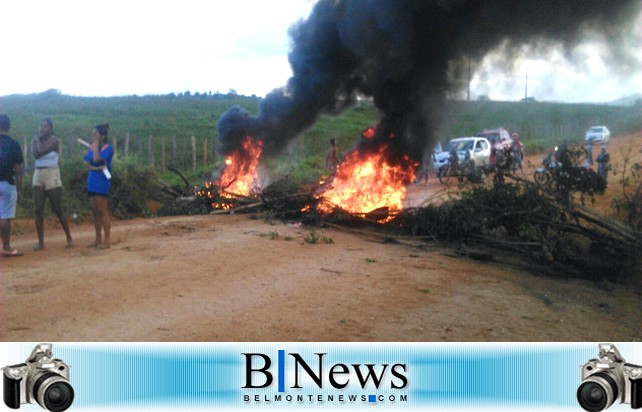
(498,138)
(477,147)
(597,134)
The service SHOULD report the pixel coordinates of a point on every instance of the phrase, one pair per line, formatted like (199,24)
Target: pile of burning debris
(368,184)
(408,56)
(367,191)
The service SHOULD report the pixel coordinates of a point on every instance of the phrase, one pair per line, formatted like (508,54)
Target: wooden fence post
(213,150)
(127,145)
(184,155)
(150,148)
(71,145)
(115,139)
(193,153)
(163,154)
(174,151)
(25,149)
(205,153)
(139,144)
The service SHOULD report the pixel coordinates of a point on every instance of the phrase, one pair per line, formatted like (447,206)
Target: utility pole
(468,95)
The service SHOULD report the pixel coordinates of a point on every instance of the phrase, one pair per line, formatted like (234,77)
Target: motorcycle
(460,170)
(550,165)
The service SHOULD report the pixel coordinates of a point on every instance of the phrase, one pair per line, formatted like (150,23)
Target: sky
(125,47)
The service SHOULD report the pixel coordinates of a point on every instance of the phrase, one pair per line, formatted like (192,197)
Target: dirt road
(233,278)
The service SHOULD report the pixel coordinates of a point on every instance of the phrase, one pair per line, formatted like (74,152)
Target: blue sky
(122,47)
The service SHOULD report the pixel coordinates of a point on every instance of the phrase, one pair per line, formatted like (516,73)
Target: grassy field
(541,125)
(196,115)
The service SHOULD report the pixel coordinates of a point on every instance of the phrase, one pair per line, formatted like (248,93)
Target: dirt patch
(234,278)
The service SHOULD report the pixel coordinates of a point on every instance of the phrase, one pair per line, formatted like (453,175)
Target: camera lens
(592,397)
(58,396)
(597,392)
(53,392)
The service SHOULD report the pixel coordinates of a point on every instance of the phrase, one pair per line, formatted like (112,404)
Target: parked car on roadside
(477,148)
(499,138)
(597,134)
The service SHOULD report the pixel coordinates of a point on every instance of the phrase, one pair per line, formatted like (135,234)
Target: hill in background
(630,100)
(183,116)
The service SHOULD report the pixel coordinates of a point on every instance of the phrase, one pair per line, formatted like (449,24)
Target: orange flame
(239,174)
(369,133)
(363,183)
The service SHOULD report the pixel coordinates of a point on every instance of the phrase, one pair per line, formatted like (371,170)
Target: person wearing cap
(517,149)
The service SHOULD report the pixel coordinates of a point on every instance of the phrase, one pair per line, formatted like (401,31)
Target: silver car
(597,134)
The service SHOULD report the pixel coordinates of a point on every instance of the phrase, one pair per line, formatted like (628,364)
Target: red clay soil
(233,278)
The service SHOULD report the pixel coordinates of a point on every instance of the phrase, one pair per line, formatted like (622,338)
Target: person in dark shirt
(11,171)
(603,162)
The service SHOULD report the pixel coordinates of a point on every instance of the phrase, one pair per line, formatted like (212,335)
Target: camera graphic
(41,379)
(608,380)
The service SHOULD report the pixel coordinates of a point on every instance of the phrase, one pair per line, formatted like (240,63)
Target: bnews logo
(293,372)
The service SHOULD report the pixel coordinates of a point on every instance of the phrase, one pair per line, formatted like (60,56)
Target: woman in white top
(46,181)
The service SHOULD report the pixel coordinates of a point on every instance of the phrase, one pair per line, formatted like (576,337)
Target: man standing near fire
(331,157)
(517,152)
(603,162)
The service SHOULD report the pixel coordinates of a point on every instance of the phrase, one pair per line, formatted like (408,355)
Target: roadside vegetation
(136,184)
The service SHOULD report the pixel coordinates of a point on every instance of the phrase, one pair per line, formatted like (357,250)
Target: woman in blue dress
(98,162)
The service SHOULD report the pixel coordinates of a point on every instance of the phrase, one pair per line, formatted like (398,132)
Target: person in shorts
(11,171)
(46,181)
(98,162)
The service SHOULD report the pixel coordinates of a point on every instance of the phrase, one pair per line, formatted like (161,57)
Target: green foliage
(140,116)
(132,187)
(313,238)
(525,218)
(541,125)
(629,177)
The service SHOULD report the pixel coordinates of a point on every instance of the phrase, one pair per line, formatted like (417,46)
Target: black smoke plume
(407,55)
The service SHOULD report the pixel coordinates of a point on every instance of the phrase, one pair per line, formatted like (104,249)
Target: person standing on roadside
(11,171)
(98,162)
(332,156)
(517,151)
(46,181)
(603,162)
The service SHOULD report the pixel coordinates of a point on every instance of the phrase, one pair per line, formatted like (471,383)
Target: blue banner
(328,376)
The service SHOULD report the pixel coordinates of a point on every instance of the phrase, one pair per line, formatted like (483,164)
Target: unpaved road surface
(234,278)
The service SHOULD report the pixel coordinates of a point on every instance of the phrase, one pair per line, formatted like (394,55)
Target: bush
(131,189)
(132,186)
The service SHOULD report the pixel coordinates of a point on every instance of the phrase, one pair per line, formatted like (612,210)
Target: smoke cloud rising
(407,55)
